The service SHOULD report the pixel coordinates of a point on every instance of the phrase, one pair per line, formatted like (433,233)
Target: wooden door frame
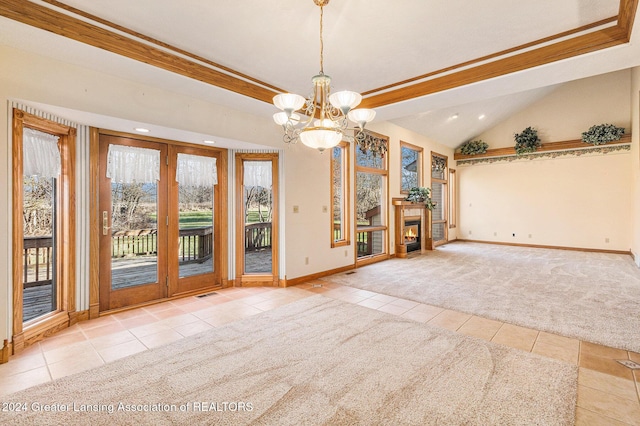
(220,241)
(137,292)
(248,280)
(65,315)
(94,219)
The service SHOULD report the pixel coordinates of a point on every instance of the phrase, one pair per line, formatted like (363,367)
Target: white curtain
(196,170)
(41,155)
(257,173)
(127,164)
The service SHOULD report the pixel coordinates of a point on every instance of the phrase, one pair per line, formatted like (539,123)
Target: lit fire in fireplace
(410,234)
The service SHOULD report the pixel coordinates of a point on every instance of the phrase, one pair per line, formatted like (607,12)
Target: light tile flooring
(608,393)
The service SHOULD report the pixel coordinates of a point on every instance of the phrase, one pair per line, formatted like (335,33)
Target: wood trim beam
(495,55)
(586,43)
(158,43)
(50,20)
(626,16)
(166,57)
(545,147)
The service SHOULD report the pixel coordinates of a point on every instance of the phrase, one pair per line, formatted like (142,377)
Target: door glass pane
(258,214)
(39,280)
(195,209)
(134,231)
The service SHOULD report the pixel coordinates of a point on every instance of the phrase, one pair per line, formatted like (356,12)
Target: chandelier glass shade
(321,120)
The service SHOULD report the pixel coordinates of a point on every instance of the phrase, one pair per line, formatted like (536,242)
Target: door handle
(105,223)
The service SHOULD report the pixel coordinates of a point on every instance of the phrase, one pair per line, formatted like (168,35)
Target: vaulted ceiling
(417,62)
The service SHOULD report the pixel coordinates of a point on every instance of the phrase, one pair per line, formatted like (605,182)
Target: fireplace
(412,227)
(412,235)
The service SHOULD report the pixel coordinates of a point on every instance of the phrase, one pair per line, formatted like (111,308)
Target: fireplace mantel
(408,211)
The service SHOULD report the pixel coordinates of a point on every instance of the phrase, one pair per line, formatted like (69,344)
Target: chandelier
(323,122)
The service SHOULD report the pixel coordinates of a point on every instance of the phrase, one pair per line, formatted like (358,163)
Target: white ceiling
(367,44)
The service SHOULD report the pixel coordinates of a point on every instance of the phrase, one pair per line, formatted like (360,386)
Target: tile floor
(608,393)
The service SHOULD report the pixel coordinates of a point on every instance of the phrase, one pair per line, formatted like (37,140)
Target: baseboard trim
(300,280)
(591,250)
(6,350)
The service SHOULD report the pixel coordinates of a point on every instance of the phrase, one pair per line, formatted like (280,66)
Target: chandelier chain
(321,42)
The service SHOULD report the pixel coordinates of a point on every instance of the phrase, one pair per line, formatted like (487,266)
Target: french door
(134,226)
(161,235)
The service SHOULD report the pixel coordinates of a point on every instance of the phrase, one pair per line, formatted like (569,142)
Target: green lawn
(195,219)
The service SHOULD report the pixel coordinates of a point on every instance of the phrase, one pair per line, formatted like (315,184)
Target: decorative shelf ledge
(576,144)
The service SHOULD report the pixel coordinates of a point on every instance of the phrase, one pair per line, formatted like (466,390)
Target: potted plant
(527,141)
(602,133)
(421,195)
(474,147)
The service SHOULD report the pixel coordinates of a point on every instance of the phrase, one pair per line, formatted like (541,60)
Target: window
(453,206)
(371,203)
(440,195)
(340,195)
(257,219)
(43,227)
(410,167)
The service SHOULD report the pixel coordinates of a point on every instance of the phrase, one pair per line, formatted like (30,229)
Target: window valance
(40,152)
(257,173)
(127,164)
(196,170)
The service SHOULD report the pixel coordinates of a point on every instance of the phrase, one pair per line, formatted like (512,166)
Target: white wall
(569,201)
(570,110)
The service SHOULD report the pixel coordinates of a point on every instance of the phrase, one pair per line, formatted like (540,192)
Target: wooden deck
(132,272)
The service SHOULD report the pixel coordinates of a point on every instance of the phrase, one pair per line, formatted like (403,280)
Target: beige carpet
(589,296)
(317,361)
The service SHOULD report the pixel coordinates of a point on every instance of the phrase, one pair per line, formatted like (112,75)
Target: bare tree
(38,206)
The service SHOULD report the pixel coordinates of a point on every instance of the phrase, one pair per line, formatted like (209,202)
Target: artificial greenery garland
(602,133)
(421,195)
(474,147)
(527,141)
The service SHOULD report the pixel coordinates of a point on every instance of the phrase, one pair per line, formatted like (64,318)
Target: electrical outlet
(296,209)
(306,260)
(325,209)
(469,231)
(606,240)
(530,235)
(346,253)
(495,234)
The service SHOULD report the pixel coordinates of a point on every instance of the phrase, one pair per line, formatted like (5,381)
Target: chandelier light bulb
(362,116)
(320,139)
(345,100)
(288,102)
(281,118)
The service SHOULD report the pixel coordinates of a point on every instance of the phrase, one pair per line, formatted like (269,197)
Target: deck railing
(37,261)
(196,246)
(257,236)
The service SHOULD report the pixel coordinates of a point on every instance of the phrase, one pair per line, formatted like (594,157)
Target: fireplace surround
(412,227)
